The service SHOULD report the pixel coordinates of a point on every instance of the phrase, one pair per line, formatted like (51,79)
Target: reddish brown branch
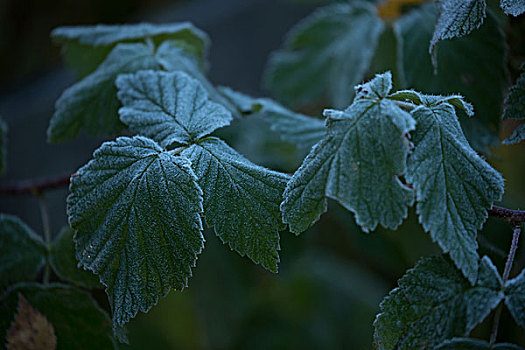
(34,186)
(510,215)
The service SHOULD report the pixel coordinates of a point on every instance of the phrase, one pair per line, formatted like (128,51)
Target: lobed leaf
(299,129)
(434,302)
(474,344)
(22,251)
(515,298)
(357,163)
(171,108)
(172,58)
(481,81)
(92,103)
(454,186)
(64,263)
(513,7)
(135,210)
(241,200)
(325,55)
(85,47)
(77,320)
(456,19)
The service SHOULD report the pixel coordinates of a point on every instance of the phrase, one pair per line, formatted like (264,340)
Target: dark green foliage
(22,252)
(63,261)
(435,302)
(474,344)
(481,81)
(317,59)
(85,47)
(77,320)
(515,298)
(241,200)
(135,210)
(357,163)
(515,108)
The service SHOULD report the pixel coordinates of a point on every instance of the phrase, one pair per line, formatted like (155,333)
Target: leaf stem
(47,233)
(512,252)
(34,186)
(506,272)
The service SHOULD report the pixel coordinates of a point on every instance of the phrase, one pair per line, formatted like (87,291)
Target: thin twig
(34,186)
(506,272)
(507,214)
(47,232)
(512,252)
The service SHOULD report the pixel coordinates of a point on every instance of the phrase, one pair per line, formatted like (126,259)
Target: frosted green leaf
(78,321)
(22,251)
(515,108)
(513,7)
(454,186)
(172,58)
(296,128)
(241,200)
(64,263)
(3,146)
(92,103)
(482,82)
(85,47)
(135,210)
(325,55)
(515,298)
(357,163)
(474,344)
(456,19)
(434,302)
(433,100)
(171,108)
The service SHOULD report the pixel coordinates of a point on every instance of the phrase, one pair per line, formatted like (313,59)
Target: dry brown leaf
(30,330)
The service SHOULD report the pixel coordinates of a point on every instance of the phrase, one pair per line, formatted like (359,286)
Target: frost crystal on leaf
(92,103)
(454,186)
(135,210)
(357,163)
(170,108)
(241,200)
(513,7)
(457,18)
(435,302)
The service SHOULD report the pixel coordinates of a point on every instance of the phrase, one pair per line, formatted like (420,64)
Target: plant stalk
(47,233)
(506,272)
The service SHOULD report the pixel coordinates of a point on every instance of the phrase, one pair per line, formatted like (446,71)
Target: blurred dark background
(331,278)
